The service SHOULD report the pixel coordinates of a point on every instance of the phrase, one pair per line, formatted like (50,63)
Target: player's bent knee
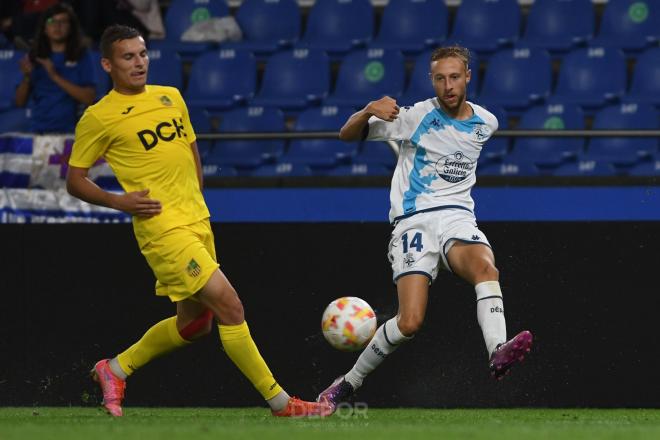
(410,325)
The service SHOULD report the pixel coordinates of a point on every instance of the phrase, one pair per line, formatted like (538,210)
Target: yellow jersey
(145,138)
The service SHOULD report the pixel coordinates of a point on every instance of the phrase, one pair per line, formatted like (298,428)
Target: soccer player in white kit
(432,212)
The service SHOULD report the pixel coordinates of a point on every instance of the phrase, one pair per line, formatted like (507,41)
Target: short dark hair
(460,52)
(116,32)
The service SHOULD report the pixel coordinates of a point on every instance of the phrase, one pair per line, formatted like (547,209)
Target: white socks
(385,341)
(279,402)
(490,314)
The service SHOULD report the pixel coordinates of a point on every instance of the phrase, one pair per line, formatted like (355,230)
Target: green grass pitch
(382,424)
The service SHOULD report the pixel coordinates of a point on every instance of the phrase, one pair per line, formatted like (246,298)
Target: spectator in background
(58,73)
(18,19)
(99,14)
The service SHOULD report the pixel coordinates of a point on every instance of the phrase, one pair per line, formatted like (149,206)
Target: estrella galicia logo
(481,131)
(454,168)
(163,132)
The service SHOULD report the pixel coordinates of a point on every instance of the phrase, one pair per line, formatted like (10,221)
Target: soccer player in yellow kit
(145,135)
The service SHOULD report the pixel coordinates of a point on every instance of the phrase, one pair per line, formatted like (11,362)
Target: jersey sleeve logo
(481,131)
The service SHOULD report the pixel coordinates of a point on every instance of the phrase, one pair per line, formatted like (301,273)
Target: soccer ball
(348,323)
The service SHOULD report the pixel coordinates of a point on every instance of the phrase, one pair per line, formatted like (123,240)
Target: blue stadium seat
(320,153)
(376,153)
(548,151)
(485,25)
(622,151)
(582,78)
(645,85)
(517,78)
(294,79)
(559,25)
(646,168)
(282,169)
(338,26)
(412,25)
(368,74)
(267,25)
(585,168)
(15,119)
(361,169)
(221,79)
(10,75)
(507,168)
(496,147)
(165,68)
(630,25)
(201,122)
(248,153)
(103,81)
(180,16)
(420,87)
(215,170)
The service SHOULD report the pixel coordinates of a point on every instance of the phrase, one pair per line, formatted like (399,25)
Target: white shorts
(420,243)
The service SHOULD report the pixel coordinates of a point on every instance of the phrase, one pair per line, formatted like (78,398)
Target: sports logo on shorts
(454,168)
(193,268)
(409,259)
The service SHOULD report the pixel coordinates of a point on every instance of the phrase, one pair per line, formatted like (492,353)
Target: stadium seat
(376,153)
(282,170)
(294,79)
(585,168)
(361,169)
(368,74)
(320,153)
(215,170)
(10,75)
(582,78)
(267,25)
(645,85)
(623,151)
(221,79)
(338,26)
(15,120)
(248,153)
(559,25)
(420,87)
(412,25)
(549,151)
(507,168)
(201,122)
(486,25)
(165,68)
(630,25)
(180,16)
(517,78)
(646,168)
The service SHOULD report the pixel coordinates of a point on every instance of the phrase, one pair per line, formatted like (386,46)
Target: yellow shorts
(183,259)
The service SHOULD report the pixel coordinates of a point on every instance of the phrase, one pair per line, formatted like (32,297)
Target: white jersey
(437,157)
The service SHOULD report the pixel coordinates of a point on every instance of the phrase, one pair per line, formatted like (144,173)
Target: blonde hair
(460,52)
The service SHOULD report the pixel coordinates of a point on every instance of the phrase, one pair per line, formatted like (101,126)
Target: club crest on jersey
(481,131)
(193,268)
(165,100)
(454,168)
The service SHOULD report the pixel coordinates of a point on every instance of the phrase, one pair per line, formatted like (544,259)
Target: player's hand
(385,108)
(137,203)
(25,65)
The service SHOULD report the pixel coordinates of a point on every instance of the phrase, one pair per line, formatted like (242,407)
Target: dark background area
(73,294)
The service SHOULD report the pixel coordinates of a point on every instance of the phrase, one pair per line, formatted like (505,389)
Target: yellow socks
(242,350)
(158,340)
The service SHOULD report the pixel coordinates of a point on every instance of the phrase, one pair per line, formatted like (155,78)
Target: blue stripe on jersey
(434,120)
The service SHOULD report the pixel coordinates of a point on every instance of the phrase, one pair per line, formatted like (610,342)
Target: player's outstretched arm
(385,108)
(135,203)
